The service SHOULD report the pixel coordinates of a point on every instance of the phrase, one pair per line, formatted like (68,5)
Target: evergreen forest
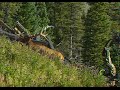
(80,32)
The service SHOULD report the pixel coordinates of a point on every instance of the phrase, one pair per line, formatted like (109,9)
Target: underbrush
(22,67)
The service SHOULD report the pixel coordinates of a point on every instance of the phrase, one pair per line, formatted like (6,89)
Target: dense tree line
(97,30)
(115,50)
(80,31)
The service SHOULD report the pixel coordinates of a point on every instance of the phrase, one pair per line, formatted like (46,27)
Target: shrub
(20,66)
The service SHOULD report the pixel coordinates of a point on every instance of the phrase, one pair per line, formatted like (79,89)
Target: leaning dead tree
(10,35)
(112,72)
(6,27)
(112,67)
(21,29)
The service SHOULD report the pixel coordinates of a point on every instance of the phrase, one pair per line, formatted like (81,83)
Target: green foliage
(25,68)
(97,32)
(114,14)
(26,15)
(67,19)
(115,56)
(91,77)
(8,11)
(115,11)
(20,66)
(42,17)
(55,15)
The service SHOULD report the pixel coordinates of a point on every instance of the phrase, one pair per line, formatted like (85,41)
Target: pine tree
(75,30)
(67,19)
(54,14)
(8,11)
(114,13)
(42,17)
(26,15)
(97,32)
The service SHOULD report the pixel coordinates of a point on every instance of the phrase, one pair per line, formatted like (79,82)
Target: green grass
(23,67)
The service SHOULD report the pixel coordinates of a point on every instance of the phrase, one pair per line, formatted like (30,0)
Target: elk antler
(43,31)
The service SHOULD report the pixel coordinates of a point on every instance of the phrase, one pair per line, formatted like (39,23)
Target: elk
(19,33)
(43,48)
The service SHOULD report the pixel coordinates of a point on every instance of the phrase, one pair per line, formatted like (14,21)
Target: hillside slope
(21,66)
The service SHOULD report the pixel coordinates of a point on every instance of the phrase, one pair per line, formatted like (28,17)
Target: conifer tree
(8,11)
(42,16)
(114,13)
(67,19)
(26,15)
(97,32)
(75,29)
(54,14)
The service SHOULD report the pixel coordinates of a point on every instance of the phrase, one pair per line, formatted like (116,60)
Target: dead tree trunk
(4,25)
(10,35)
(112,66)
(22,29)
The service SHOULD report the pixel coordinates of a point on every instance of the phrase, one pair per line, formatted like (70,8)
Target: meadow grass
(20,66)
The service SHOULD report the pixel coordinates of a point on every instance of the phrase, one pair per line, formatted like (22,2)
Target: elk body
(43,49)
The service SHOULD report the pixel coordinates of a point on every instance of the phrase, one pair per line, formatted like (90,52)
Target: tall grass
(22,67)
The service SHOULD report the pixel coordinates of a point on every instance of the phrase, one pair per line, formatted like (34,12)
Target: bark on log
(22,29)
(10,35)
(6,26)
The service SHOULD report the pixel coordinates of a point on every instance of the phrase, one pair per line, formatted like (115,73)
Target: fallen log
(10,35)
(4,25)
(22,29)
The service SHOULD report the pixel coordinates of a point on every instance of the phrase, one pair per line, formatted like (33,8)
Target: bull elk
(19,33)
(43,49)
